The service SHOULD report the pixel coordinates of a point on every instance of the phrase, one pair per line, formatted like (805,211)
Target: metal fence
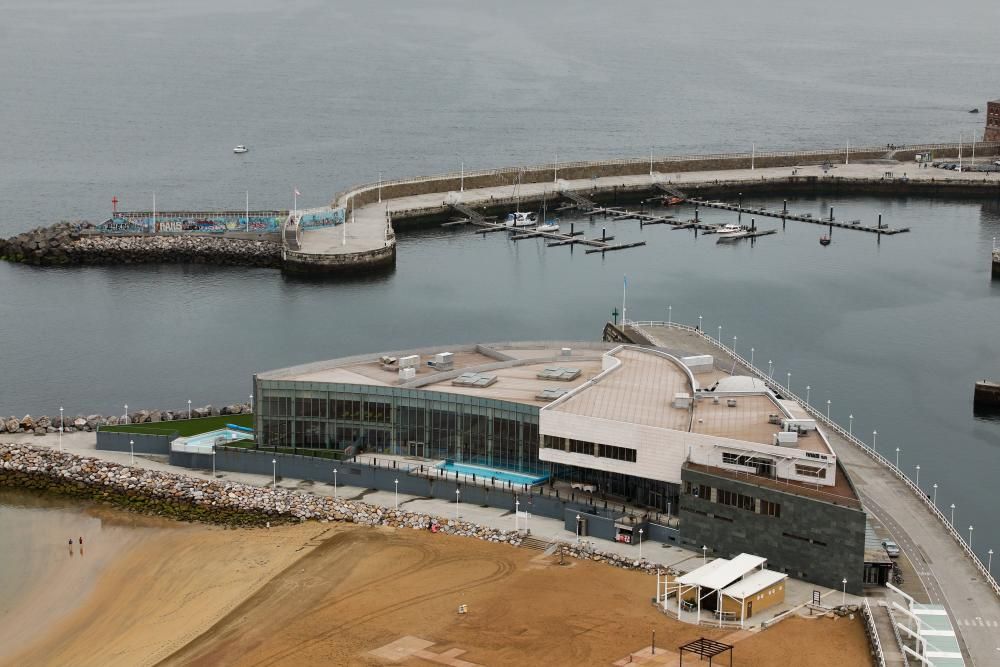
(841,431)
(876,643)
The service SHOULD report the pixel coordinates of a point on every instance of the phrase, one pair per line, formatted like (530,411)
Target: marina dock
(785,215)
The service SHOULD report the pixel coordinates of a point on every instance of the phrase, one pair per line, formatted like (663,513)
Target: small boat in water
(550,226)
(240,149)
(672,201)
(730,229)
(824,240)
(521,219)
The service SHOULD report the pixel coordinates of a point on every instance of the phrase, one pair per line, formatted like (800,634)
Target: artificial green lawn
(184,427)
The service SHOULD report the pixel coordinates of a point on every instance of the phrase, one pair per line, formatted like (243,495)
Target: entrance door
(749,608)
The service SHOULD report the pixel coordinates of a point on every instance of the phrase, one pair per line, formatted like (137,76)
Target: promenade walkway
(366,231)
(948,575)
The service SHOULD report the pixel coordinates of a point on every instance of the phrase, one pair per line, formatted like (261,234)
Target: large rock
(234,409)
(197,413)
(3,426)
(113,420)
(155,416)
(27,423)
(93,421)
(43,422)
(80,423)
(39,431)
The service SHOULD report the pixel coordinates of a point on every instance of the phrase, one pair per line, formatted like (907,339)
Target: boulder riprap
(69,243)
(191,498)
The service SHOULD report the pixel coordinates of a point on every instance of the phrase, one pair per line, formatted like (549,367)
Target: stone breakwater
(68,243)
(190,498)
(45,424)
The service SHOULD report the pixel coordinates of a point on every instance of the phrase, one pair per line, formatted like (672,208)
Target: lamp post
(874,436)
(577,527)
(788,383)
(828,409)
(189,408)
(770,369)
(517,508)
(380,186)
(808,389)
(843,597)
(396,482)
(720,336)
(334,483)
(897,458)
(935,494)
(458,496)
(126,413)
(131,452)
(734,346)
(274,473)
(462,181)
(670,315)
(251,402)
(704,554)
(989,562)
(751,356)
(60,427)
(850,425)
(699,323)
(640,544)
(918,475)
(953,515)
(213,461)
(970,538)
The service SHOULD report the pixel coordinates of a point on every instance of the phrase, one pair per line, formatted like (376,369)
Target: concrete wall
(113,441)
(373,260)
(598,527)
(828,542)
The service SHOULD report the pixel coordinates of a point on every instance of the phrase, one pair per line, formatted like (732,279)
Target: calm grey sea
(130,97)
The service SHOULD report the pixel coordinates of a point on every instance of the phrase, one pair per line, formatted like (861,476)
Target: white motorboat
(521,219)
(730,230)
(240,149)
(550,226)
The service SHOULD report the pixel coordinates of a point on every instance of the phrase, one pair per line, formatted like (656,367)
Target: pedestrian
(81,540)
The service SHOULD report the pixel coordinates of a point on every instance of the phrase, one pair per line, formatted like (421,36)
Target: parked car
(891,548)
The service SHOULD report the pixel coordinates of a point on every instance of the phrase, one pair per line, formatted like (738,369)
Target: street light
(640,544)
(953,515)
(734,346)
(131,452)
(874,437)
(380,186)
(274,473)
(670,315)
(720,336)
(189,408)
(808,389)
(458,495)
(897,458)
(213,461)
(704,554)
(828,409)
(850,425)
(751,356)
(770,369)
(334,483)
(517,508)
(843,598)
(699,323)
(126,413)
(935,494)
(462,182)
(577,527)
(396,482)
(60,427)
(788,382)
(251,402)
(970,538)
(918,474)
(989,562)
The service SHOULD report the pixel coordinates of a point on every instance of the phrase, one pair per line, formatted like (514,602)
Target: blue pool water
(490,473)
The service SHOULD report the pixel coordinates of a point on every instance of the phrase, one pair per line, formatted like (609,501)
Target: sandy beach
(165,593)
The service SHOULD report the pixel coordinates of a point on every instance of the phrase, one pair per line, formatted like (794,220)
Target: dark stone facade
(813,540)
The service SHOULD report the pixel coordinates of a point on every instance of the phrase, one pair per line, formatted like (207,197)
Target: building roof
(753,584)
(722,572)
(840,493)
(936,630)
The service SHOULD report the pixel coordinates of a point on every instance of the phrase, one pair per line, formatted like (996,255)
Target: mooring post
(784,209)
(604,233)
(880,221)
(753,225)
(831,214)
(571,225)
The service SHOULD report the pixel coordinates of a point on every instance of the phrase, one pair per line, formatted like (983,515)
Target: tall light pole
(874,436)
(396,482)
(380,186)
(843,597)
(989,562)
(213,461)
(274,474)
(788,383)
(897,458)
(970,538)
(828,409)
(734,346)
(126,413)
(935,494)
(918,475)
(704,554)
(640,544)
(60,427)
(334,483)
(751,356)
(189,408)
(251,402)
(131,452)
(577,527)
(517,509)
(462,182)
(670,315)
(770,369)
(953,514)
(699,323)
(458,496)
(720,335)
(808,389)
(850,425)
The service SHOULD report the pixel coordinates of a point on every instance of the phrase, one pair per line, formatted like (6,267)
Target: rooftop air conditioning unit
(444,361)
(566,351)
(682,400)
(786,438)
(407,373)
(411,361)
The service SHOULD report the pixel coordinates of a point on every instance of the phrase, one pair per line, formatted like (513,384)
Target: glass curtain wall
(392,420)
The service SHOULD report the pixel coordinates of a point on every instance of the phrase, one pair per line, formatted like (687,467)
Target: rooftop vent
(474,380)
(566,351)
(443,361)
(411,361)
(559,373)
(550,394)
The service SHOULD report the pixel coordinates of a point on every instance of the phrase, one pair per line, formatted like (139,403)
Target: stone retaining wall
(354,263)
(45,424)
(190,498)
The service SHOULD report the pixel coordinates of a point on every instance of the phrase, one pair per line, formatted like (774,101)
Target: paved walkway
(367,231)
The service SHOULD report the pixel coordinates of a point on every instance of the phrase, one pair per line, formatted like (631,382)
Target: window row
(733,499)
(589,448)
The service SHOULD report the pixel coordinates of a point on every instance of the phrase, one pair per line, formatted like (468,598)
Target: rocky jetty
(71,424)
(194,499)
(70,243)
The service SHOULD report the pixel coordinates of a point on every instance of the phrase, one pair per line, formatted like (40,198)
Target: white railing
(874,640)
(841,431)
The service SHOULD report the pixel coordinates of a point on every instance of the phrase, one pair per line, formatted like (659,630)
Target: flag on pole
(297,193)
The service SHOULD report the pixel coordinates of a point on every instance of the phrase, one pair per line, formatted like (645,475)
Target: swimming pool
(482,472)
(203,442)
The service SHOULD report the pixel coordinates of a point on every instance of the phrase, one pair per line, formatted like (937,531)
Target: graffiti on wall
(328,218)
(193,221)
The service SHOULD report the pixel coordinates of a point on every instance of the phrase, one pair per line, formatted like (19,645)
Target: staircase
(671,190)
(529,542)
(581,201)
(471,214)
